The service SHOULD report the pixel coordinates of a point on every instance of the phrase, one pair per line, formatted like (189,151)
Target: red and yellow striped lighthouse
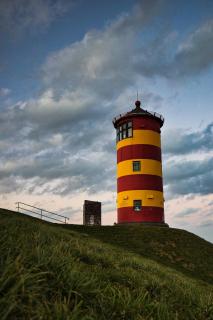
(139,168)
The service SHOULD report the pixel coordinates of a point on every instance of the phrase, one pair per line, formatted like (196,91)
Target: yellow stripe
(148,166)
(141,137)
(125,198)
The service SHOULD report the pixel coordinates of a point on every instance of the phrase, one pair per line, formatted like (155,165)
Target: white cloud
(104,61)
(56,139)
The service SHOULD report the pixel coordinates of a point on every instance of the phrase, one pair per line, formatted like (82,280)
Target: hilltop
(179,249)
(51,271)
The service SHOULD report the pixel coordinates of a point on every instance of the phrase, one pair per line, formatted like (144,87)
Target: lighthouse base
(148,215)
(145,224)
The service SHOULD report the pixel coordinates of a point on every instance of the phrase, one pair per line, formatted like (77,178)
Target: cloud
(69,212)
(195,54)
(210,203)
(70,170)
(207,223)
(63,140)
(183,176)
(189,177)
(187,212)
(166,57)
(24,15)
(188,142)
(4,92)
(103,61)
(183,169)
(9,184)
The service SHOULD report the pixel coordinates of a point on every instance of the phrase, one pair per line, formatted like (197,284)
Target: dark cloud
(188,142)
(72,172)
(58,140)
(185,169)
(190,57)
(189,177)
(196,53)
(10,184)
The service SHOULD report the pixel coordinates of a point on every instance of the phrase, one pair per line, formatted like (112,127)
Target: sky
(68,67)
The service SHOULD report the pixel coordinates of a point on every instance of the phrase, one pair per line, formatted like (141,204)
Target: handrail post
(41,212)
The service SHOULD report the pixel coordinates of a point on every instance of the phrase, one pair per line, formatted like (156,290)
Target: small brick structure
(92,213)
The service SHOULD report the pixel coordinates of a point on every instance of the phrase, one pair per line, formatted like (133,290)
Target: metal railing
(40,212)
(154,114)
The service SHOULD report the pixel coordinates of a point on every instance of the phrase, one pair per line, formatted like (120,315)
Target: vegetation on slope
(49,272)
(179,249)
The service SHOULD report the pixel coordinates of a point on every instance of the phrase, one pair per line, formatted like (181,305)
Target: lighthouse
(139,167)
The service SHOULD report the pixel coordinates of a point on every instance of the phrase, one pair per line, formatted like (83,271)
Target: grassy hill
(50,271)
(179,249)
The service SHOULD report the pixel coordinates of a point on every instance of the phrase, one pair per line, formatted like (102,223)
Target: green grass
(179,249)
(73,272)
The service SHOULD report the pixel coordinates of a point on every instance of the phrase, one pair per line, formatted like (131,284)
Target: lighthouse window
(137,204)
(129,132)
(136,165)
(120,135)
(124,131)
(129,129)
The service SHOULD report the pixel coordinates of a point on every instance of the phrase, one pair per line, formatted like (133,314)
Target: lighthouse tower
(139,168)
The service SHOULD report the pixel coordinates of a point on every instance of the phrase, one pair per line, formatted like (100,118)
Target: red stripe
(139,182)
(144,122)
(139,151)
(147,214)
